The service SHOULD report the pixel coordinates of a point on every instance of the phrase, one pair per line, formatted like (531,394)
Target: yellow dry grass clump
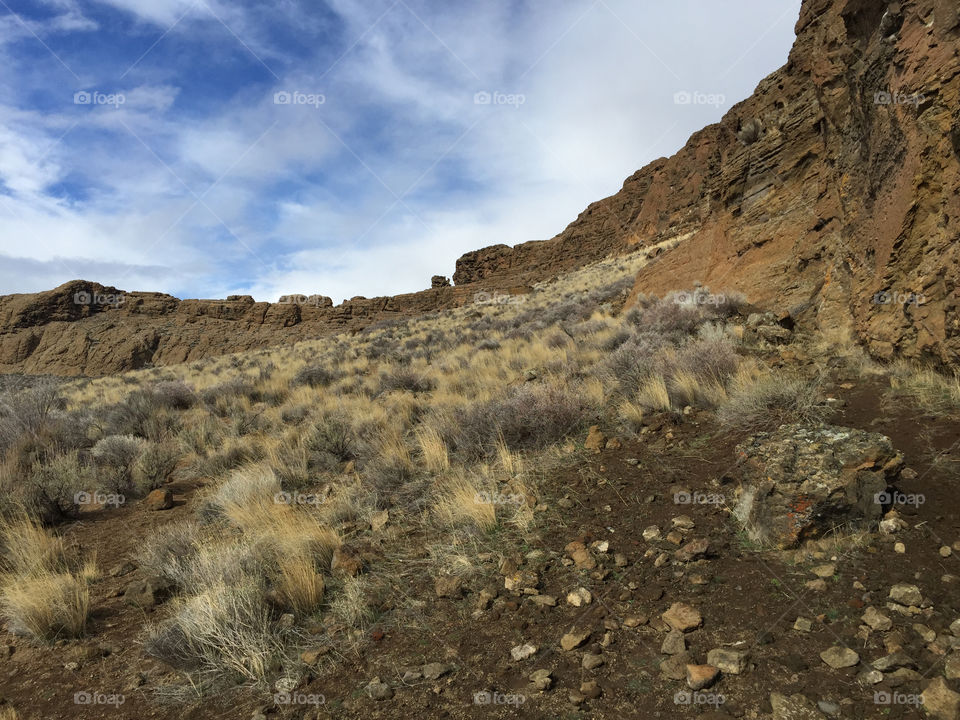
(44,595)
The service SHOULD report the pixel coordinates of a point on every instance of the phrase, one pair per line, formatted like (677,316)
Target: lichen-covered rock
(802,480)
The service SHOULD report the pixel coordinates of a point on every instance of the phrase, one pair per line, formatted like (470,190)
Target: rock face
(832,191)
(83,328)
(802,480)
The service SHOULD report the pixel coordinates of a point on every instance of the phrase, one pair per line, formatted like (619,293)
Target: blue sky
(340,147)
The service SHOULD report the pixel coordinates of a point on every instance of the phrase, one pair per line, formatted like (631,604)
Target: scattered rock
(870,677)
(159,499)
(574,639)
(379,690)
(448,586)
(940,702)
(591,661)
(839,657)
(579,597)
(435,671)
(701,676)
(905,594)
(682,617)
(876,619)
(803,625)
(730,662)
(523,652)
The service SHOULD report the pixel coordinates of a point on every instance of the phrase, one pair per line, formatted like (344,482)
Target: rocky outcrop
(84,328)
(801,481)
(834,191)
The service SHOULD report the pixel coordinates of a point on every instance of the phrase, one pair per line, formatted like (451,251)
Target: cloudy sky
(342,147)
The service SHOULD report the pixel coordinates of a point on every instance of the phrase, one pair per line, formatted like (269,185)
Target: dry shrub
(529,417)
(225,629)
(405,380)
(115,456)
(315,376)
(351,605)
(761,399)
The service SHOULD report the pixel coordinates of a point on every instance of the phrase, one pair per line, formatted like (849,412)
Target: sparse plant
(761,399)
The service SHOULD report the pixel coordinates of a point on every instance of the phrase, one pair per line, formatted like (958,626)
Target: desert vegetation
(328,471)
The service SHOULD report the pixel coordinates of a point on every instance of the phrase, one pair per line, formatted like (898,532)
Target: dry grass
(433,449)
(761,399)
(653,394)
(460,501)
(45,594)
(935,393)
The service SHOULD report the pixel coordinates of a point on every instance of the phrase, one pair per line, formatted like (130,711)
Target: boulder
(802,480)
(159,499)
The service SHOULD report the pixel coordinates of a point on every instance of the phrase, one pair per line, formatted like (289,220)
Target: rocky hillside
(831,193)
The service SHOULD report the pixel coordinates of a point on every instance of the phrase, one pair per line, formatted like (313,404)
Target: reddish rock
(159,499)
